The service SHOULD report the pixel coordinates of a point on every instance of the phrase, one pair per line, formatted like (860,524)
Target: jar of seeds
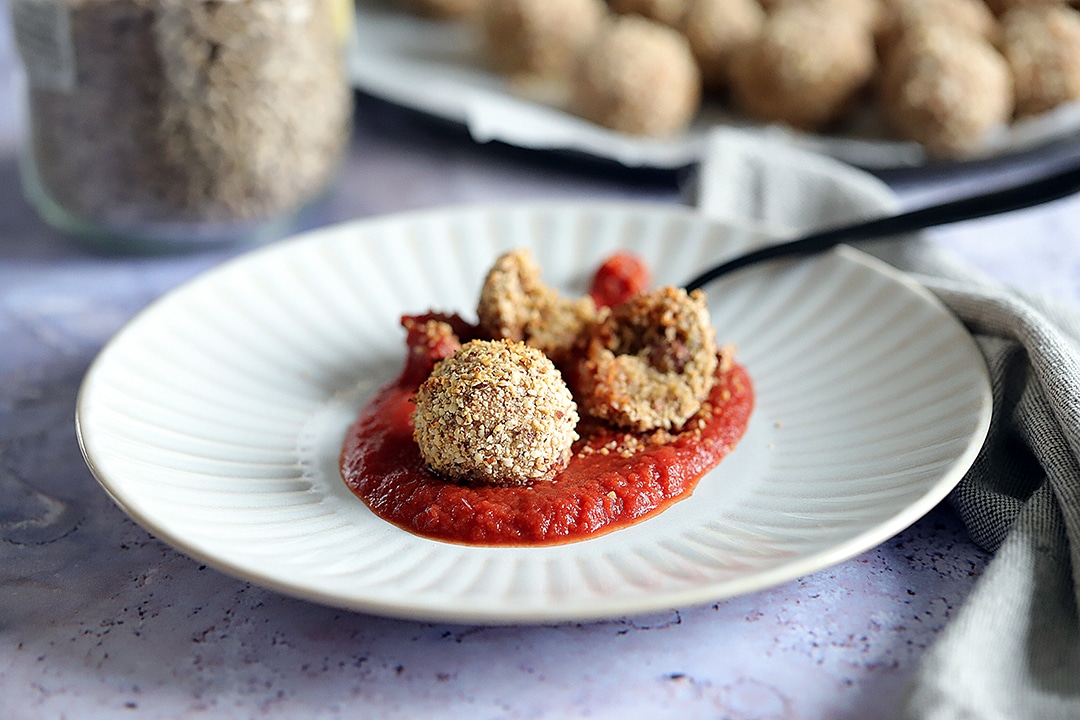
(157,124)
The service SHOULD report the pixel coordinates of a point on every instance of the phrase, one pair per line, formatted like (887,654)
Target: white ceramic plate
(216,416)
(436,67)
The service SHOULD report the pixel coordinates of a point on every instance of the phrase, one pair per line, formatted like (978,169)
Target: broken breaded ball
(495,412)
(638,77)
(515,304)
(651,363)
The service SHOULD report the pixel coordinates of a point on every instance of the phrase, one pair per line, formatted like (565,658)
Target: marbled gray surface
(98,619)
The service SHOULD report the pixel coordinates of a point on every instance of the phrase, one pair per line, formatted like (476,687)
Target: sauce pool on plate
(614,477)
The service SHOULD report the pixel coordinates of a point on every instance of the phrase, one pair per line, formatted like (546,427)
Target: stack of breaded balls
(947,74)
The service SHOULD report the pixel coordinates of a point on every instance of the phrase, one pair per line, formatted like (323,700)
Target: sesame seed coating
(495,412)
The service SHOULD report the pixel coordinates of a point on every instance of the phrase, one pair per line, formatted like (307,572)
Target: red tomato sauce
(618,279)
(614,478)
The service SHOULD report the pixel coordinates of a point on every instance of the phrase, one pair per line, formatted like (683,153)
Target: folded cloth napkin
(1013,649)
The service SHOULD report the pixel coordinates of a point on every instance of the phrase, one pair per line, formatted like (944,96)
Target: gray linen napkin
(1013,649)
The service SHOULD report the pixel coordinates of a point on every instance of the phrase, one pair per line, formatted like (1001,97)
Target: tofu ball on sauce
(495,412)
(651,363)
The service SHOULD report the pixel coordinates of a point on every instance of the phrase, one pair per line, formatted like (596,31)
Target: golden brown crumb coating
(651,363)
(515,304)
(539,37)
(805,69)
(442,8)
(638,77)
(1000,7)
(1042,45)
(947,91)
(868,13)
(717,30)
(495,412)
(668,12)
(905,16)
(511,295)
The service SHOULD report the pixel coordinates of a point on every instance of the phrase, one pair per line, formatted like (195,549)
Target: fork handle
(1029,194)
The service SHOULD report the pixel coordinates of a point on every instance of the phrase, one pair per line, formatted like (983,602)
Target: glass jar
(158,124)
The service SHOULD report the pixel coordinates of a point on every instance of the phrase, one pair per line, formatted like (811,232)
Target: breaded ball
(542,38)
(651,363)
(1042,45)
(444,9)
(511,295)
(947,91)
(515,304)
(1000,7)
(495,412)
(668,12)
(905,16)
(868,13)
(717,30)
(638,77)
(805,69)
